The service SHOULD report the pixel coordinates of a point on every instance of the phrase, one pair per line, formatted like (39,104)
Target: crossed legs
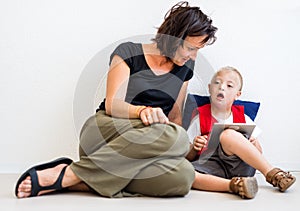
(234,143)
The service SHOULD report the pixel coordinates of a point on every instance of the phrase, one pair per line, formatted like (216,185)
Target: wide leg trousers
(122,157)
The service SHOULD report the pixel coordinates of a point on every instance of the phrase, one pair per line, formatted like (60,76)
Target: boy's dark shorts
(219,164)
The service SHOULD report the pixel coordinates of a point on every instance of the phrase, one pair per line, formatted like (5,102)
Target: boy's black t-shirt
(146,88)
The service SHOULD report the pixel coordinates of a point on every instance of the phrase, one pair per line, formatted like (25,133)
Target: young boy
(231,167)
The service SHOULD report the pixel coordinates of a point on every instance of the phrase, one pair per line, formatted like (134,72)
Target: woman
(134,144)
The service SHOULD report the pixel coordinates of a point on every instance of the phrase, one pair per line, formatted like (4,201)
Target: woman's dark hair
(181,21)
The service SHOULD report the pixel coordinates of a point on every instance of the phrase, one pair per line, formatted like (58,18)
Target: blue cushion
(193,101)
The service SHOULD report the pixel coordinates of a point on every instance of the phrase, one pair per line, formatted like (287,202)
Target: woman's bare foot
(45,178)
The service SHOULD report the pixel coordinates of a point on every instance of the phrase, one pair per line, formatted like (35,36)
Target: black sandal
(35,186)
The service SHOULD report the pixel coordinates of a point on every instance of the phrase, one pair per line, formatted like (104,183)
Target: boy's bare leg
(246,187)
(234,143)
(211,183)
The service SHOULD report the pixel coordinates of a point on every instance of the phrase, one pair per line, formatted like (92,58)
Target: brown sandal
(246,187)
(281,179)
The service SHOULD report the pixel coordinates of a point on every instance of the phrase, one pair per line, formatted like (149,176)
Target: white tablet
(244,128)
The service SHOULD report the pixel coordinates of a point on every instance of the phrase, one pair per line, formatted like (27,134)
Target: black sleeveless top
(146,88)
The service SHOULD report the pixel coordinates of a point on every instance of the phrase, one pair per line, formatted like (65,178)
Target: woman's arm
(116,87)
(117,81)
(175,114)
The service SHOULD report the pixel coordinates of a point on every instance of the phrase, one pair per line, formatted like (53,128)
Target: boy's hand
(199,142)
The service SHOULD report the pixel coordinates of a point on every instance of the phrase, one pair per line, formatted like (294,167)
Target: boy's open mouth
(220,96)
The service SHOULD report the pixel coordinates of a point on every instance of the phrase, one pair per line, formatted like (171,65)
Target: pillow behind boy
(193,101)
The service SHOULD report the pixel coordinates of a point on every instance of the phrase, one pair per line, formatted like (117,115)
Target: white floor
(267,198)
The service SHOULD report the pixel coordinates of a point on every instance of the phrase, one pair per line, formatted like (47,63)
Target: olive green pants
(122,157)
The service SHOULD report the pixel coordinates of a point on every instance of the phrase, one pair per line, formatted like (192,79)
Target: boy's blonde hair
(231,69)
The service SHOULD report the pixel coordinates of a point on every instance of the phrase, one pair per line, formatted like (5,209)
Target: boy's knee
(227,135)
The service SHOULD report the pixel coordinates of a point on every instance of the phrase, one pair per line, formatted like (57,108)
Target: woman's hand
(151,115)
(199,142)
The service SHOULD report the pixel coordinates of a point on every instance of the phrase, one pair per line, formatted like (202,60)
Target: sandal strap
(36,187)
(279,178)
(246,187)
(271,175)
(234,184)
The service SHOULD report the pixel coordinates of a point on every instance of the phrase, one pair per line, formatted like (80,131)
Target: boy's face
(225,88)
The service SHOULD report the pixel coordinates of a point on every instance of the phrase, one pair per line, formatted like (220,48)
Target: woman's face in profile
(188,50)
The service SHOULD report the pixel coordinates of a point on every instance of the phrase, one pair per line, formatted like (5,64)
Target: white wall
(47,48)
